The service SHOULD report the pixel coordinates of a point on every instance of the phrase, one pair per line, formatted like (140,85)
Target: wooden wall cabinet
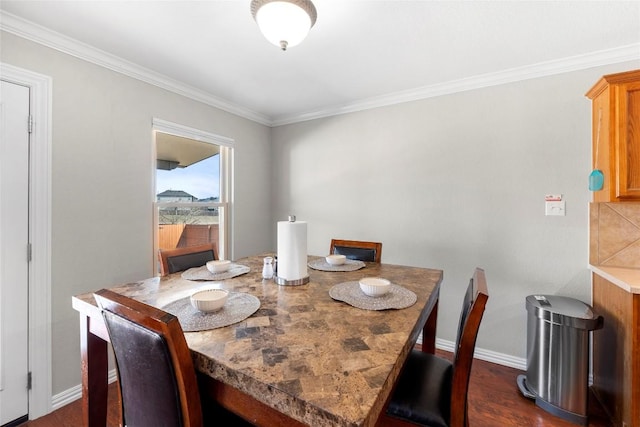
(613,250)
(616,135)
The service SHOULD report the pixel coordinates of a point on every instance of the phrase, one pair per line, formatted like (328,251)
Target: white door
(14,238)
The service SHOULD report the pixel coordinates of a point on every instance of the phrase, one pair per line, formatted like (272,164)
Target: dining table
(317,354)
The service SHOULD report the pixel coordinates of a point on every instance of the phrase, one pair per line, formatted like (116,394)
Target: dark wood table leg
(429,330)
(94,375)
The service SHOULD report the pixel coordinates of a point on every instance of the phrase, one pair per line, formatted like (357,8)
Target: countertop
(626,278)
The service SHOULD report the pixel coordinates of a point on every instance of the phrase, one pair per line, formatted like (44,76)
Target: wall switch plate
(554,208)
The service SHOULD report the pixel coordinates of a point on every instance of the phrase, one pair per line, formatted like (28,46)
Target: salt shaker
(267,268)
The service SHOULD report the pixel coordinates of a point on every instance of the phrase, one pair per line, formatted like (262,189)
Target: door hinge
(29,252)
(29,381)
(30,123)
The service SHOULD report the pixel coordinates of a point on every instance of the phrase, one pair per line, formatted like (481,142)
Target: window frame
(225,200)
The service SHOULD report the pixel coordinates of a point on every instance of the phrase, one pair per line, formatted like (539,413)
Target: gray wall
(102,172)
(455,182)
(451,182)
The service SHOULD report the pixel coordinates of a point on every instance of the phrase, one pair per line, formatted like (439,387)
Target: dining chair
(432,391)
(157,380)
(354,249)
(180,259)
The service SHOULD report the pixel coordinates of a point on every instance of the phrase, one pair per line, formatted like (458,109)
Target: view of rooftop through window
(200,180)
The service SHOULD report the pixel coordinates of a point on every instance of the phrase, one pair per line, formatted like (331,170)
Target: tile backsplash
(614,234)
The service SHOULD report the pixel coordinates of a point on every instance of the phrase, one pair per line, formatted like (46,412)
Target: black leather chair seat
(185,262)
(145,369)
(423,393)
(184,258)
(361,254)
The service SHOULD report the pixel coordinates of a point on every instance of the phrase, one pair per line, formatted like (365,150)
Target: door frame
(39,233)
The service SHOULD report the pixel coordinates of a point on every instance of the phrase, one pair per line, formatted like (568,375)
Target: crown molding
(54,40)
(44,36)
(574,63)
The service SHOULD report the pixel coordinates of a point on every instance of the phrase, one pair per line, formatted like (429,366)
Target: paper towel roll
(292,250)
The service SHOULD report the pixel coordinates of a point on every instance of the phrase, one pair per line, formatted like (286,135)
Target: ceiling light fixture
(284,23)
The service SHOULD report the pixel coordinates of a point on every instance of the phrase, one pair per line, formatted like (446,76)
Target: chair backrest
(156,376)
(473,306)
(354,249)
(180,259)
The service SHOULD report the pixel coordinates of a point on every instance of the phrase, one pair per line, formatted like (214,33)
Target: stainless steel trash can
(558,355)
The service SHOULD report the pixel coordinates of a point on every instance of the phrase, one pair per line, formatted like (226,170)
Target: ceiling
(176,151)
(360,54)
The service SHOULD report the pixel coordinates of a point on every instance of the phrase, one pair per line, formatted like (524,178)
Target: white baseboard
(487,355)
(519,363)
(74,393)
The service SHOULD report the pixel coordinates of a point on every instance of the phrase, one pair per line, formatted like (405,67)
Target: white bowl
(336,259)
(209,299)
(219,265)
(375,286)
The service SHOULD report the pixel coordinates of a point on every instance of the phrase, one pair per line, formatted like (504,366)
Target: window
(192,188)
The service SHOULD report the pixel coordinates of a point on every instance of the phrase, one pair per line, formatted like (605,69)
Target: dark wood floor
(494,401)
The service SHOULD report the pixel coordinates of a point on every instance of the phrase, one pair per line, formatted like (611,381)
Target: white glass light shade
(284,23)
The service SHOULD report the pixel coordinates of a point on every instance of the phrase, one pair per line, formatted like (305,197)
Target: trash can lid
(563,311)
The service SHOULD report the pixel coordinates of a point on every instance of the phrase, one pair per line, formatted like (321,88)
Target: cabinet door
(628,138)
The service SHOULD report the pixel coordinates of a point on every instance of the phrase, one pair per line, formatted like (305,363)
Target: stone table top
(320,361)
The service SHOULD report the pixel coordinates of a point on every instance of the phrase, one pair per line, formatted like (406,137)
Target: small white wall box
(554,204)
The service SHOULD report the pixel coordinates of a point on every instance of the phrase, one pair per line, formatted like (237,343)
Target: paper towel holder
(295,282)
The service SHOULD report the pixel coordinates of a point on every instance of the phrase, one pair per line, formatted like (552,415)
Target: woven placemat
(350,292)
(323,265)
(238,307)
(203,273)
